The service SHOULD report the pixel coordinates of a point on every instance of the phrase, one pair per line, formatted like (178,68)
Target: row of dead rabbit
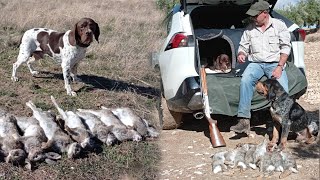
(255,156)
(27,140)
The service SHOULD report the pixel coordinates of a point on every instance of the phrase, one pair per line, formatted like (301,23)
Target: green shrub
(166,5)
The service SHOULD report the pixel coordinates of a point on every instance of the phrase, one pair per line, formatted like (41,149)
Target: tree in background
(313,9)
(304,13)
(167,5)
(291,12)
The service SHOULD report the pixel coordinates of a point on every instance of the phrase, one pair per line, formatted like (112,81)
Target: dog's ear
(271,94)
(96,32)
(269,85)
(260,88)
(278,90)
(277,86)
(217,63)
(218,59)
(74,35)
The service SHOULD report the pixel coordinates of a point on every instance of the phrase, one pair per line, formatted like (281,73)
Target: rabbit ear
(53,155)
(46,145)
(72,131)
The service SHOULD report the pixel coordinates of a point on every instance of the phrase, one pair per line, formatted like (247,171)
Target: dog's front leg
(275,136)
(74,72)
(284,133)
(67,79)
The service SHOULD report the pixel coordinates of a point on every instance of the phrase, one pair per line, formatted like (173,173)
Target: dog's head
(270,89)
(84,31)
(223,62)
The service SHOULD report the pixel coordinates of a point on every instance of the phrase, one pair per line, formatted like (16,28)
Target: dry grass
(127,31)
(116,72)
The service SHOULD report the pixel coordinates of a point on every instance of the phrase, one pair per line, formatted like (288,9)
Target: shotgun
(215,135)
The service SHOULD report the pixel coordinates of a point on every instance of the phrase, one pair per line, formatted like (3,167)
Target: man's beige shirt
(266,46)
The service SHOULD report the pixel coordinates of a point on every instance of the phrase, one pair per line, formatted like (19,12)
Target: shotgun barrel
(215,135)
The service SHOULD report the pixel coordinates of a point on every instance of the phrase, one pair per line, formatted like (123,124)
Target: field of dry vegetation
(115,73)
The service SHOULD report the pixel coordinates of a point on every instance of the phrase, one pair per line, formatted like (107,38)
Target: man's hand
(277,72)
(241,57)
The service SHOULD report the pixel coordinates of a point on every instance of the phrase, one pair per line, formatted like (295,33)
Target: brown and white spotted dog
(286,113)
(68,48)
(221,63)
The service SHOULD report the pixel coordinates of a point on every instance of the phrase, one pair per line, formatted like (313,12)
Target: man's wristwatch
(282,66)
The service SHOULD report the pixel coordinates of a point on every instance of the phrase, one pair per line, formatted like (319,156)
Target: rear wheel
(168,119)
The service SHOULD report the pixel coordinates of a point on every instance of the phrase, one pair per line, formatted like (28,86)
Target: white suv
(201,30)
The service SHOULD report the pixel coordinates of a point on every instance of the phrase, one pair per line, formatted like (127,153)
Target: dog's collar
(82,45)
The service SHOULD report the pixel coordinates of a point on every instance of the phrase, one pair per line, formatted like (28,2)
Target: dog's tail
(61,111)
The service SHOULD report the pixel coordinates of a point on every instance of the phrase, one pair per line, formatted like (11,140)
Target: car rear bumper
(188,98)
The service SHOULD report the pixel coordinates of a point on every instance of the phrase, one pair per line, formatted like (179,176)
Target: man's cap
(257,7)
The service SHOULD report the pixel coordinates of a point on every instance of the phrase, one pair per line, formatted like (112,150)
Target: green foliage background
(304,13)
(167,5)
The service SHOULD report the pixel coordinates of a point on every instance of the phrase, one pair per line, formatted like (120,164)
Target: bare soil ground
(186,151)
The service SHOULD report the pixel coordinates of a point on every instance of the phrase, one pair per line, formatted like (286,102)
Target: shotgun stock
(215,135)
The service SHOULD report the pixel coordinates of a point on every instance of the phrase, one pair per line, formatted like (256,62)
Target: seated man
(266,43)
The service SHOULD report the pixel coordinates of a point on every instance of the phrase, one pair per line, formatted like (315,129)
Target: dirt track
(186,151)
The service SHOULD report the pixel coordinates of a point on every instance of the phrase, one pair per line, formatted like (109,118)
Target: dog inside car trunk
(216,54)
(218,33)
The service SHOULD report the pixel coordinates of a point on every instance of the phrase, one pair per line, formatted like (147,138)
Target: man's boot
(243,126)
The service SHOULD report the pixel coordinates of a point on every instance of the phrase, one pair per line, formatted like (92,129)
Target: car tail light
(178,40)
(302,34)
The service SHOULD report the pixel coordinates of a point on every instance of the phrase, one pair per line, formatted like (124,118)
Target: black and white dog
(286,113)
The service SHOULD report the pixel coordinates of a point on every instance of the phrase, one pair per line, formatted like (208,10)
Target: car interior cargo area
(218,38)
(215,55)
(219,17)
